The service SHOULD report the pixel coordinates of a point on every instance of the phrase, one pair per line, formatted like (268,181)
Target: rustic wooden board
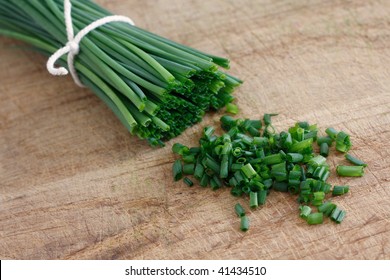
(75,185)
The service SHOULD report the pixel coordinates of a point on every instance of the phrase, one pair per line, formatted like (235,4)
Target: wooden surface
(75,185)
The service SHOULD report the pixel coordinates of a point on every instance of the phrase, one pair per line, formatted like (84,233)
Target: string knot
(72,47)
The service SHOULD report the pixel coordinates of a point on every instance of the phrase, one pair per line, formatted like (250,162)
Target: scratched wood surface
(75,185)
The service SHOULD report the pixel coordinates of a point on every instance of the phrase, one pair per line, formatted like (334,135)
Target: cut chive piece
(177,170)
(354,160)
(231,108)
(337,215)
(244,225)
(240,211)
(248,170)
(326,208)
(188,168)
(332,133)
(253,202)
(305,211)
(325,139)
(180,149)
(188,182)
(324,149)
(350,171)
(343,143)
(294,157)
(261,197)
(315,218)
(340,190)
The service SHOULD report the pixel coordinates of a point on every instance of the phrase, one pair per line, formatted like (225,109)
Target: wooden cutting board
(75,185)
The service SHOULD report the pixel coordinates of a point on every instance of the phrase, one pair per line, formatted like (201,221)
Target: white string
(72,48)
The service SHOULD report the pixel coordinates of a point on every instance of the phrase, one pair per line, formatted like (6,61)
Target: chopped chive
(326,208)
(237,152)
(189,158)
(224,171)
(240,211)
(261,197)
(325,139)
(267,118)
(188,168)
(188,182)
(350,171)
(324,149)
(253,202)
(177,170)
(199,170)
(337,215)
(343,143)
(340,190)
(280,186)
(231,108)
(248,170)
(244,225)
(204,181)
(273,159)
(180,149)
(354,160)
(294,157)
(315,218)
(317,161)
(332,133)
(305,211)
(213,165)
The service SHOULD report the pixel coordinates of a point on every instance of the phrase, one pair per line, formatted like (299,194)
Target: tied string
(72,48)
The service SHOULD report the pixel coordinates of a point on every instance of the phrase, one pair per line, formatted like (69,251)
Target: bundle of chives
(156,87)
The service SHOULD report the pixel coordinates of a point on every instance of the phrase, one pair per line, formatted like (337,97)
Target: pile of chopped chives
(253,159)
(156,87)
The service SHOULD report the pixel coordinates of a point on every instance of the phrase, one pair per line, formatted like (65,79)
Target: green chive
(231,108)
(340,190)
(332,133)
(240,211)
(244,226)
(253,202)
(326,139)
(350,171)
(189,168)
(177,170)
(324,149)
(188,182)
(305,211)
(315,218)
(354,160)
(248,170)
(180,149)
(294,157)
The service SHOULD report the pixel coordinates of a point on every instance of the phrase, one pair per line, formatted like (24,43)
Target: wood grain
(75,185)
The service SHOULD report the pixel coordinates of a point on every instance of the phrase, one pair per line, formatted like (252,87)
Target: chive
(236,166)
(326,208)
(188,182)
(332,133)
(253,202)
(317,161)
(350,171)
(240,211)
(267,118)
(237,152)
(324,149)
(188,168)
(326,139)
(199,170)
(231,108)
(190,158)
(343,143)
(213,165)
(305,211)
(204,182)
(294,157)
(340,190)
(244,226)
(233,182)
(261,197)
(224,171)
(248,170)
(315,218)
(354,160)
(337,215)
(272,159)
(180,149)
(177,170)
(300,147)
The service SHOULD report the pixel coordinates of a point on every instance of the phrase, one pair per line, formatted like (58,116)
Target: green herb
(240,211)
(177,170)
(253,166)
(231,108)
(157,88)
(188,182)
(354,160)
(350,171)
(244,223)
